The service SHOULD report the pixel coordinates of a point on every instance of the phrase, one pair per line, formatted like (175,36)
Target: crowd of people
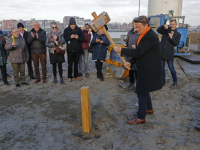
(24,47)
(145,55)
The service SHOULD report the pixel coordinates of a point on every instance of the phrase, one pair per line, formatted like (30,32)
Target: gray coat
(18,54)
(51,45)
(37,45)
(131,39)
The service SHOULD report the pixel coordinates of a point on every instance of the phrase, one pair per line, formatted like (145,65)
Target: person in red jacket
(83,59)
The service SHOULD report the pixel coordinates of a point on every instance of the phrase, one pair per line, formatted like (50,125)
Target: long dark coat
(147,56)
(167,45)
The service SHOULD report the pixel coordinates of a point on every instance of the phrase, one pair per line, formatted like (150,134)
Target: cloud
(119,11)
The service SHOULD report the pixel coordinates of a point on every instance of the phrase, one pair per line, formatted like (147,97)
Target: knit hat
(20,25)
(72,21)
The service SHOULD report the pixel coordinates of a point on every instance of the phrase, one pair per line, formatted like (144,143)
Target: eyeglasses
(54,27)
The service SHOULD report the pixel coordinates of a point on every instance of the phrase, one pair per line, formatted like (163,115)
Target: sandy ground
(48,116)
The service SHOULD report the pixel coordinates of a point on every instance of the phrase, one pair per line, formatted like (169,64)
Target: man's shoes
(130,87)
(78,78)
(61,80)
(36,81)
(55,80)
(174,85)
(44,81)
(69,79)
(6,83)
(25,83)
(136,121)
(149,111)
(80,74)
(197,128)
(17,85)
(102,79)
(32,77)
(87,75)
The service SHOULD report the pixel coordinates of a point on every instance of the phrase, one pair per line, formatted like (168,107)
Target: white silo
(157,7)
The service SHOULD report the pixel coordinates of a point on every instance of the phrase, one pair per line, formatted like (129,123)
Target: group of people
(145,55)
(25,47)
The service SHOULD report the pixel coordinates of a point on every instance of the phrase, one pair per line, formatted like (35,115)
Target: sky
(118,10)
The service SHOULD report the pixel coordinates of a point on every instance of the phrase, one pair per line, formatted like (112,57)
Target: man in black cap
(73,36)
(24,34)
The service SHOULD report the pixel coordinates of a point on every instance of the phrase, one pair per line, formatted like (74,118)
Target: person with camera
(73,36)
(55,40)
(83,58)
(170,38)
(101,43)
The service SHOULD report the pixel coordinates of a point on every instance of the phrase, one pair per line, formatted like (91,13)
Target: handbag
(59,50)
(91,48)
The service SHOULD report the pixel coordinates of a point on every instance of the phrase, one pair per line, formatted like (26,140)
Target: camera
(99,37)
(169,29)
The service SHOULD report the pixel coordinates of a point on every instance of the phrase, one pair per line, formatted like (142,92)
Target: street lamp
(139,9)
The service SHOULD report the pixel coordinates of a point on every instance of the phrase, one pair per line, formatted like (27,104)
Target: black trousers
(59,68)
(73,58)
(132,76)
(30,68)
(4,73)
(144,104)
(99,65)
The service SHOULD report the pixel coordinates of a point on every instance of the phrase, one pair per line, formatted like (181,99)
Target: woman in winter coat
(101,43)
(53,40)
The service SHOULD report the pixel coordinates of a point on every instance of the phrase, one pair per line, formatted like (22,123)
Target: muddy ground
(48,116)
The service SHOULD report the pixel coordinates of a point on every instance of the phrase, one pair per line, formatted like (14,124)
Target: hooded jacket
(37,45)
(73,45)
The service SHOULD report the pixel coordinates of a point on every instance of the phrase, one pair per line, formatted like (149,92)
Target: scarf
(142,35)
(54,34)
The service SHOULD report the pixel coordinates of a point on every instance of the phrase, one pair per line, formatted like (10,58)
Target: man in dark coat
(24,34)
(37,39)
(147,55)
(168,42)
(73,36)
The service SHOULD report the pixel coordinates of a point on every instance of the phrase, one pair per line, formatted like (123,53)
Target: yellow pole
(86,109)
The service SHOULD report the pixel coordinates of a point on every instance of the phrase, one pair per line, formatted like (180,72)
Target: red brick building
(9,24)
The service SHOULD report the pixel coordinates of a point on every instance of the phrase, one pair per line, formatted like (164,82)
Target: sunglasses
(54,27)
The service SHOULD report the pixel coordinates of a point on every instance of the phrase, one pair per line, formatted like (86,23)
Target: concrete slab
(190,69)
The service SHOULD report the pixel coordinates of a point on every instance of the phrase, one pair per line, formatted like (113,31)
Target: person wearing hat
(73,36)
(24,34)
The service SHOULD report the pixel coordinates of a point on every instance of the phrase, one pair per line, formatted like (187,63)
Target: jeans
(73,58)
(144,104)
(171,68)
(83,58)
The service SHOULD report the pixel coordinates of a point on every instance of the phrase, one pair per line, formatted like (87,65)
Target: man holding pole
(147,55)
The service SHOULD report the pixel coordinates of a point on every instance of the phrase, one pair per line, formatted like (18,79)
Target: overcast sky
(118,10)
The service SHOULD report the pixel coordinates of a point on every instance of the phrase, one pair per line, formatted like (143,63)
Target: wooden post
(86,109)
(109,38)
